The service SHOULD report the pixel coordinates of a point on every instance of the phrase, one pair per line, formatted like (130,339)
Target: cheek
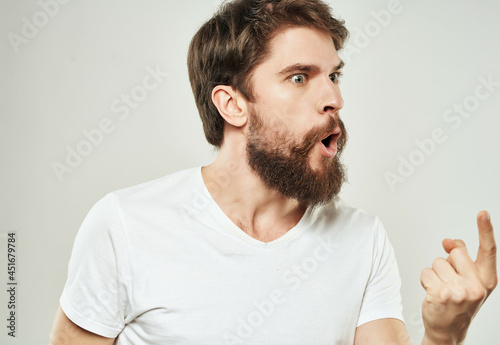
(285,120)
(286,111)
(297,116)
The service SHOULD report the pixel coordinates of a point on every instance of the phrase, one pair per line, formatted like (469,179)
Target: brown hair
(228,47)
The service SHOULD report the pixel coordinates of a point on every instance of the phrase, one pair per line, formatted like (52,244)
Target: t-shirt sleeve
(382,297)
(95,294)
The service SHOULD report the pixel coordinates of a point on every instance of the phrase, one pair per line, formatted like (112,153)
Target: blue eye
(335,77)
(298,78)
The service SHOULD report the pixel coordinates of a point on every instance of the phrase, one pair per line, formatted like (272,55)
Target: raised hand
(457,286)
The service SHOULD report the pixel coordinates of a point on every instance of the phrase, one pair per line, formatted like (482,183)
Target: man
(257,248)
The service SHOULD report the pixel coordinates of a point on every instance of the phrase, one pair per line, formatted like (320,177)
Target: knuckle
(477,293)
(438,262)
(491,250)
(459,295)
(457,252)
(445,295)
(425,273)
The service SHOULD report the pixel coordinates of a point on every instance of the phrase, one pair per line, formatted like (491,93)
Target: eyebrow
(299,67)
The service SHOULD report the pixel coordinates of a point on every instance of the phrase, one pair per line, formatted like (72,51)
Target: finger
(429,280)
(444,270)
(460,260)
(486,261)
(459,257)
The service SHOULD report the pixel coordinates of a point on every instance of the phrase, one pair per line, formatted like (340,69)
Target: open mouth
(327,140)
(332,138)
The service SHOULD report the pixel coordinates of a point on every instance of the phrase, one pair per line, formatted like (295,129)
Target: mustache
(319,132)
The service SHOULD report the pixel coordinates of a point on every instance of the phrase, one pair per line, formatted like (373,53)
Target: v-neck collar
(228,226)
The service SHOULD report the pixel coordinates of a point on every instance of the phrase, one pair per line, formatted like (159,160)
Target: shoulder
(150,198)
(172,183)
(167,190)
(345,215)
(347,225)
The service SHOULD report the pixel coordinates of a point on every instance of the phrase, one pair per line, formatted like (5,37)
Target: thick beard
(283,164)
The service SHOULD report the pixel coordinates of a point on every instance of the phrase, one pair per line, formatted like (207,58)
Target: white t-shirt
(161,263)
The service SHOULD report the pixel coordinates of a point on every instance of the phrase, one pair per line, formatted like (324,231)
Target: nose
(330,101)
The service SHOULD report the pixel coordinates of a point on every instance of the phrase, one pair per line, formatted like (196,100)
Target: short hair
(229,46)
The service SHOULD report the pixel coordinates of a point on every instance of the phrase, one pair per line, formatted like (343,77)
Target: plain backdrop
(65,68)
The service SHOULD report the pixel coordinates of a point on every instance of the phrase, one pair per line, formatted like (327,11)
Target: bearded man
(257,247)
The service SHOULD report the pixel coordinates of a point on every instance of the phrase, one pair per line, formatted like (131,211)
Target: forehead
(302,45)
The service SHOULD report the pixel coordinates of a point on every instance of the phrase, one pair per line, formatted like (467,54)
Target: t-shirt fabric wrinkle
(161,263)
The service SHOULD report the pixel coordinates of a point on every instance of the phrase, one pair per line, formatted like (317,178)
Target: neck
(261,212)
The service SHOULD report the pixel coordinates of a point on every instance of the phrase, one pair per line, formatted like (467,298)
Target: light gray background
(397,87)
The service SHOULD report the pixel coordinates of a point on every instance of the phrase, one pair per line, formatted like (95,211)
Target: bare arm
(64,331)
(382,332)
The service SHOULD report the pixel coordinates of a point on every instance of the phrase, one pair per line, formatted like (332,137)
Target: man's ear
(231,104)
